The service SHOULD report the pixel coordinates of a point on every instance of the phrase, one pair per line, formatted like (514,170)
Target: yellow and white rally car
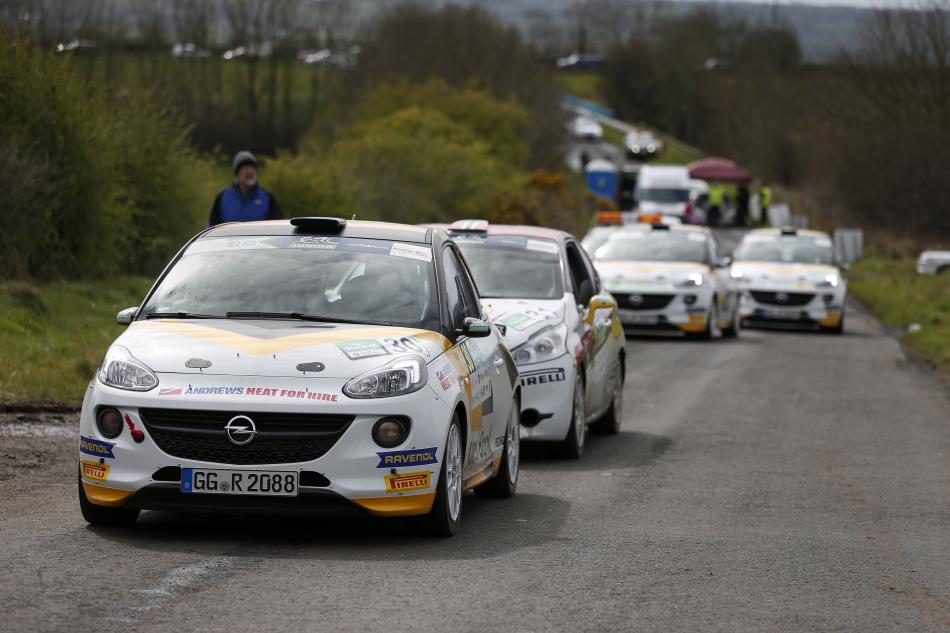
(669,278)
(790,276)
(311,365)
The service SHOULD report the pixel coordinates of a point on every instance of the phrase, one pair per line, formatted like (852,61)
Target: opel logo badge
(781,297)
(636,299)
(240,430)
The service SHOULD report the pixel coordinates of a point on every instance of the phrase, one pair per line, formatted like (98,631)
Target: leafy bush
(92,187)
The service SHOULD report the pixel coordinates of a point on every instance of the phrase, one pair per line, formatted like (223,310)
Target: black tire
(610,422)
(439,521)
(733,330)
(505,482)
(709,333)
(103,516)
(572,446)
(838,329)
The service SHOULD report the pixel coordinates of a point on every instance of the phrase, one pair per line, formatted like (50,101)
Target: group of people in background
(717,200)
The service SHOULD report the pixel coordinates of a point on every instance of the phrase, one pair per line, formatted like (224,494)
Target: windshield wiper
(300,316)
(181,315)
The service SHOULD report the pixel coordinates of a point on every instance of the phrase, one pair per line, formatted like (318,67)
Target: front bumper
(547,393)
(146,474)
(820,307)
(664,310)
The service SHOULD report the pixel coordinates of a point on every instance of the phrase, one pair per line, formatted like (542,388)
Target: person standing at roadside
(765,201)
(245,200)
(717,197)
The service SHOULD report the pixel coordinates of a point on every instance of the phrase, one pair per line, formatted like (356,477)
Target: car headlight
(736,274)
(830,281)
(693,280)
(404,375)
(123,371)
(546,344)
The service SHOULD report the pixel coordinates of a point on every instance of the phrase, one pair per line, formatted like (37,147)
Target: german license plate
(783,313)
(240,482)
(637,318)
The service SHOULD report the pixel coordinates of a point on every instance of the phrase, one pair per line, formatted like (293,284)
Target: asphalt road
(781,482)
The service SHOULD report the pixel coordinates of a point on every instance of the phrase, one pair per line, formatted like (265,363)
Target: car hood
(776,275)
(522,318)
(272,347)
(640,276)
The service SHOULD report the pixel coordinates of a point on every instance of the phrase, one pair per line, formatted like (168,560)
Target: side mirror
(598,302)
(845,266)
(585,292)
(125,316)
(724,262)
(475,328)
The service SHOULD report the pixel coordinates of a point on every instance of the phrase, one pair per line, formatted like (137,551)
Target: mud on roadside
(38,443)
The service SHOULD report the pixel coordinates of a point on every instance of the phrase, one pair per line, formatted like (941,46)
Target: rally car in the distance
(314,365)
(790,277)
(561,328)
(669,278)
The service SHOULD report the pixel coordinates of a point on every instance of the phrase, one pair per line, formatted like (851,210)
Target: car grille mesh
(282,438)
(786,298)
(646,302)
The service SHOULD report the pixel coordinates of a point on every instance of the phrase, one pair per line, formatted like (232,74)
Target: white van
(665,190)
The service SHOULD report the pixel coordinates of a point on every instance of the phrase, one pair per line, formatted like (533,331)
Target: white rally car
(790,276)
(669,278)
(314,365)
(561,328)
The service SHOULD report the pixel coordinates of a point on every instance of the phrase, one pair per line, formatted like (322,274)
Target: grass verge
(53,336)
(900,297)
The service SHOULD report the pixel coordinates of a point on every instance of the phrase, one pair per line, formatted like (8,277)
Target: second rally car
(562,328)
(306,365)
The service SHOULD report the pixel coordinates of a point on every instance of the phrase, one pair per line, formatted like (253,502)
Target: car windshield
(514,267)
(596,238)
(789,249)
(336,278)
(654,246)
(663,195)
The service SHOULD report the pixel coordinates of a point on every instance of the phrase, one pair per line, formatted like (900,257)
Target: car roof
(517,230)
(354,228)
(779,231)
(643,226)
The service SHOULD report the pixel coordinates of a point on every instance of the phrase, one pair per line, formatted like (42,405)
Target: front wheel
(572,446)
(103,516)
(446,513)
(733,330)
(610,423)
(836,329)
(505,482)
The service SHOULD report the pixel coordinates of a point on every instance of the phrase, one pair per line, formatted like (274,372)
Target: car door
(582,280)
(725,287)
(606,339)
(488,398)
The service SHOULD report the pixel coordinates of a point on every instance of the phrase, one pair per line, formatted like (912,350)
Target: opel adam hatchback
(311,365)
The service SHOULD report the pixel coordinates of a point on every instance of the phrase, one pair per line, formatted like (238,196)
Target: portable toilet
(602,178)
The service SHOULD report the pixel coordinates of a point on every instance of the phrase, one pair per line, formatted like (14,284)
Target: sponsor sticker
(362,348)
(95,470)
(170,392)
(469,360)
(98,448)
(543,246)
(446,375)
(481,386)
(542,377)
(411,251)
(251,391)
(411,457)
(480,448)
(407,482)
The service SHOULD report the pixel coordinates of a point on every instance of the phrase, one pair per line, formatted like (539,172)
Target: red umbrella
(718,169)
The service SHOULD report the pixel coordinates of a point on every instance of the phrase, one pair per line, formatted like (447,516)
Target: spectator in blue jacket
(245,200)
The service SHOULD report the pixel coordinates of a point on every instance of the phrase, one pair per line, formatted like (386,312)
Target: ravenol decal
(95,470)
(412,457)
(98,448)
(407,482)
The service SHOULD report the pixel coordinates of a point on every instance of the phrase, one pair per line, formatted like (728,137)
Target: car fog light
(109,423)
(390,432)
(827,298)
(689,299)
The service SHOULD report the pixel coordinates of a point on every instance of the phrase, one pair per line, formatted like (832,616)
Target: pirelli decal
(408,482)
(542,377)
